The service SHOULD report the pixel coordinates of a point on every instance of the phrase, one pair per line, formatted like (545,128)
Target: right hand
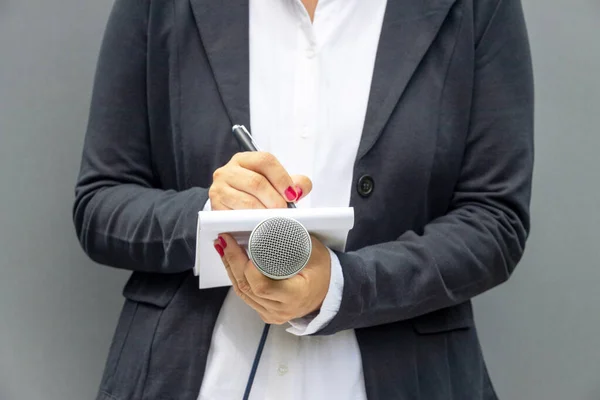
(252,180)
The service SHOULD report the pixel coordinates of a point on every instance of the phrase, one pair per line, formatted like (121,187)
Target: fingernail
(291,194)
(219,250)
(300,192)
(222,242)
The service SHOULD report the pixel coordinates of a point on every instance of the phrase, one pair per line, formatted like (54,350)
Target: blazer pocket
(146,298)
(445,320)
(154,289)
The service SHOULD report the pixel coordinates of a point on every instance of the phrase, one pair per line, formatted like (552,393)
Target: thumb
(303,185)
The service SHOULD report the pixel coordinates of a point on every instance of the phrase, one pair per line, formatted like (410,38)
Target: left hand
(277,301)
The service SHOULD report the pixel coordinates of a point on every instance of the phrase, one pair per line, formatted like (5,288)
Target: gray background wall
(540,331)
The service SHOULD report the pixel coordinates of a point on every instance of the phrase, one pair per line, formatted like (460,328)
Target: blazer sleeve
(478,243)
(121,218)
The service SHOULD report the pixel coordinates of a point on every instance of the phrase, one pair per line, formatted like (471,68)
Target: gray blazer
(442,187)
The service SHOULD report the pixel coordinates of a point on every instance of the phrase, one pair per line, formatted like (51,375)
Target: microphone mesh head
(279,247)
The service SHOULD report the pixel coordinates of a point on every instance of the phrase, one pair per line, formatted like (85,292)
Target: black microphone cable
(259,350)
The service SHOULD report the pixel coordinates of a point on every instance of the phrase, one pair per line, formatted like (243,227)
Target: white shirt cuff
(312,323)
(207,206)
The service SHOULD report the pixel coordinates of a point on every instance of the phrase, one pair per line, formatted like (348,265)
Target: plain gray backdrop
(540,331)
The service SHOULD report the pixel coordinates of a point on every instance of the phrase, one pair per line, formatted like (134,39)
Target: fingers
(255,185)
(268,166)
(298,296)
(235,259)
(265,287)
(232,199)
(303,185)
(237,264)
(254,180)
(247,299)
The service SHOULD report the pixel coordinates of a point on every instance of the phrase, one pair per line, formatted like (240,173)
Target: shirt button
(365,185)
(282,370)
(310,53)
(304,133)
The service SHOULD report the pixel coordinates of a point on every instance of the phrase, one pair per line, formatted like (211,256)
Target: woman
(419,114)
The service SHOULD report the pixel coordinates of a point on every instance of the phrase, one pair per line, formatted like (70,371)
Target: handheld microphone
(280,247)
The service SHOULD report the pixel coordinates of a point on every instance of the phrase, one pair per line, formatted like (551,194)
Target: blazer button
(365,185)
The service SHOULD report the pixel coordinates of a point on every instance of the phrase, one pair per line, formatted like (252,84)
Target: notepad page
(330,225)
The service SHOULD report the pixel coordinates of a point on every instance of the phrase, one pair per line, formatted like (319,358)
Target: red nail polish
(219,250)
(300,192)
(222,242)
(291,194)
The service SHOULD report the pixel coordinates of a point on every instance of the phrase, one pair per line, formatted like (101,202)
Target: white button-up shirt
(309,89)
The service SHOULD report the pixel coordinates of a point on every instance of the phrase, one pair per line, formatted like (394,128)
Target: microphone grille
(280,247)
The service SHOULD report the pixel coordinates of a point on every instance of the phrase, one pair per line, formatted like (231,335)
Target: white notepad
(330,225)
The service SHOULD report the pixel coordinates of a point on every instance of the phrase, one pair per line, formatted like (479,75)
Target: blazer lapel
(409,28)
(223,27)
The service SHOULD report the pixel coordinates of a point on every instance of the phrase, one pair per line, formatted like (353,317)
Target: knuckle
(217,174)
(256,182)
(243,286)
(267,159)
(236,158)
(247,203)
(261,289)
(213,192)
